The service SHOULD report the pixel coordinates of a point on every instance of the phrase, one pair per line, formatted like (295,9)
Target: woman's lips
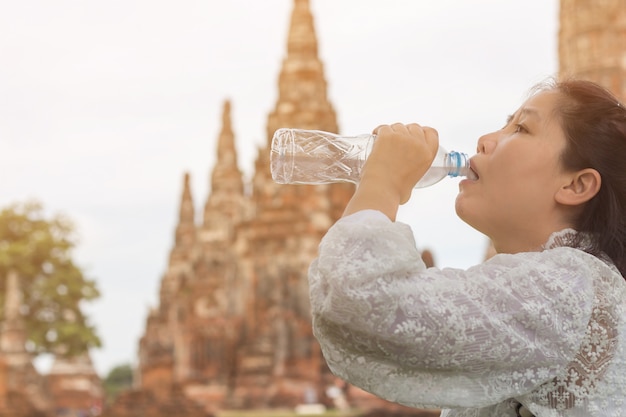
(472,175)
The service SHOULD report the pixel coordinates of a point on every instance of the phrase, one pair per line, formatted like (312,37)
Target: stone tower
(22,389)
(156,346)
(592,42)
(281,239)
(225,205)
(233,326)
(13,335)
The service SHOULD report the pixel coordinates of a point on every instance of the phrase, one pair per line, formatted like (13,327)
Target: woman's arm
(400,157)
(444,338)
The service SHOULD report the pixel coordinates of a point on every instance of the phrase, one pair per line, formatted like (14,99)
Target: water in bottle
(299,156)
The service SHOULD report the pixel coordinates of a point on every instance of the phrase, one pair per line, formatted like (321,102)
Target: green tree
(120,378)
(53,288)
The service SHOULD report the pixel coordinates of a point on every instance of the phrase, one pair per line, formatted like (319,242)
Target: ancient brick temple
(592,42)
(71,386)
(232,328)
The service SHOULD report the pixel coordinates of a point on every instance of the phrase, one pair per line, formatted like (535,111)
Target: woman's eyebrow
(528,111)
(524,110)
(509,119)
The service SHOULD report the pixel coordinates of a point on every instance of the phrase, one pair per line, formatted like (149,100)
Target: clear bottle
(302,156)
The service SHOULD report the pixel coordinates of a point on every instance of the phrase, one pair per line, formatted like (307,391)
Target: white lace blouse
(543,329)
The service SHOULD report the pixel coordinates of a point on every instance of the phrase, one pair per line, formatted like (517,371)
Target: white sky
(105,104)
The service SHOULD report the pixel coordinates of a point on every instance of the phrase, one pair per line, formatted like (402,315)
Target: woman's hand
(401,155)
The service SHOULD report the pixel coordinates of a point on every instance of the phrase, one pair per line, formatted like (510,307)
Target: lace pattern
(542,329)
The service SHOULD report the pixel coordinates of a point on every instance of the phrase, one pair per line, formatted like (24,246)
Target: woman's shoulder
(567,249)
(577,249)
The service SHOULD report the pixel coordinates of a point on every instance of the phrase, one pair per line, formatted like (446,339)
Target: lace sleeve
(444,338)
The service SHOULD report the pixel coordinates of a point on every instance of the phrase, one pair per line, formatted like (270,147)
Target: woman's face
(519,172)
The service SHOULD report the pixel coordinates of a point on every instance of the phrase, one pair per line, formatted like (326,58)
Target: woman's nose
(486,143)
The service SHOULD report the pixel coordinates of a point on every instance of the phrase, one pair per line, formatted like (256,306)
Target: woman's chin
(464,210)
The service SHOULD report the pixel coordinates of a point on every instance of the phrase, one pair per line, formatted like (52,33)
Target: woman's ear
(583,185)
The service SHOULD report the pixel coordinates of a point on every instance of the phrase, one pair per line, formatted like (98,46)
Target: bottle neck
(457,164)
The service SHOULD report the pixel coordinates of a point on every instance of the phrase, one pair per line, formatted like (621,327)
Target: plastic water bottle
(314,157)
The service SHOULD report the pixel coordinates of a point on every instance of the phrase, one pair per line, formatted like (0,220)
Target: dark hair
(594,123)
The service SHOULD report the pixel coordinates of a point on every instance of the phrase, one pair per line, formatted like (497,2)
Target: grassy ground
(286,413)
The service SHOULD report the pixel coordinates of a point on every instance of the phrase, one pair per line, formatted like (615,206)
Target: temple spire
(226,153)
(13,337)
(13,297)
(302,88)
(186,213)
(226,179)
(185,234)
(226,176)
(301,40)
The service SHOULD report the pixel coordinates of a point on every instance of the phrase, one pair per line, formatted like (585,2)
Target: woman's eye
(520,128)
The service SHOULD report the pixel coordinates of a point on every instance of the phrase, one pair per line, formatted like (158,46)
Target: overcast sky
(104,105)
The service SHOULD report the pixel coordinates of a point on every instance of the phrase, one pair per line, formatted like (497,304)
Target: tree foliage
(53,287)
(119,379)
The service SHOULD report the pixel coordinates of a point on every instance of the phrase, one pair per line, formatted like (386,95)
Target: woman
(538,329)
